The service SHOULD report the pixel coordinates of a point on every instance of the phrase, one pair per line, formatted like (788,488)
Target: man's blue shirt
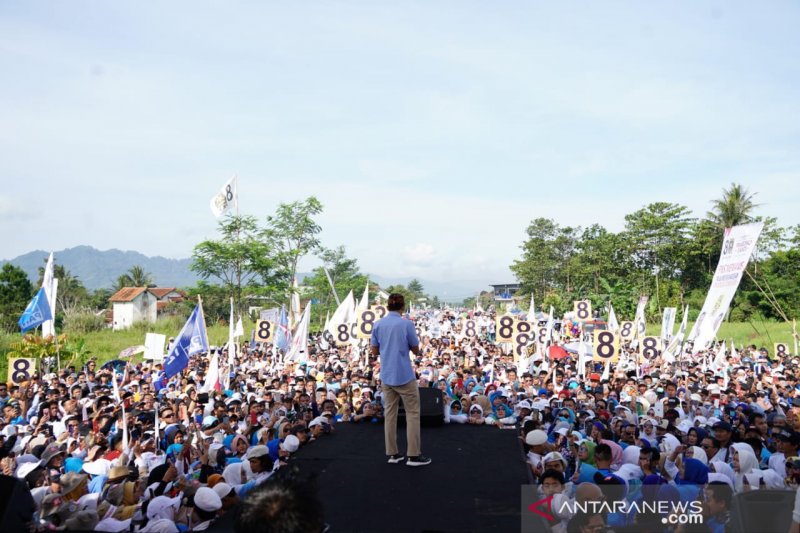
(394,336)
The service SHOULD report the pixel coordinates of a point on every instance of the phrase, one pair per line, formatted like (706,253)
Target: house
(165,296)
(132,304)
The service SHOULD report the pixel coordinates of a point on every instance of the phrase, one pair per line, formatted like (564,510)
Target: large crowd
(136,455)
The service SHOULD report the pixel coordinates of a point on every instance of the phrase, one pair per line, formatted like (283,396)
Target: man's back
(395,337)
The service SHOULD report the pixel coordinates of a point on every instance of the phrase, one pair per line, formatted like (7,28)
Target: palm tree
(140,277)
(734,208)
(136,276)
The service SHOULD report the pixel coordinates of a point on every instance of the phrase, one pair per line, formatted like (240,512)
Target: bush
(84,321)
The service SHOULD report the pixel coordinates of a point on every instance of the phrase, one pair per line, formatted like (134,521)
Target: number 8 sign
(366,321)
(606,346)
(583,310)
(780,349)
(20,369)
(264,330)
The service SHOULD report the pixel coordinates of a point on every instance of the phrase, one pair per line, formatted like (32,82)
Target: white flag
(299,349)
(50,286)
(676,344)
(667,324)
(212,382)
(295,304)
(613,323)
(239,331)
(364,303)
(532,311)
(340,316)
(226,198)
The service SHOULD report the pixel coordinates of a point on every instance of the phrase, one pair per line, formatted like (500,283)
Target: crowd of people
(113,449)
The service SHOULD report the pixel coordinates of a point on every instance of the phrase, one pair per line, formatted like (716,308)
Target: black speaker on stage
(431,408)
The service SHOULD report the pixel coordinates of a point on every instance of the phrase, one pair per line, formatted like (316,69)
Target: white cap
(222,489)
(206,499)
(290,444)
(536,437)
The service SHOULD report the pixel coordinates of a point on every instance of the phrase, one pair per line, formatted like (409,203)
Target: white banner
(639,319)
(154,346)
(736,251)
(225,198)
(668,324)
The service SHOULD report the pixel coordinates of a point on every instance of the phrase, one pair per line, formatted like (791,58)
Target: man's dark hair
(722,492)
(652,453)
(714,441)
(552,474)
(602,452)
(396,302)
(281,506)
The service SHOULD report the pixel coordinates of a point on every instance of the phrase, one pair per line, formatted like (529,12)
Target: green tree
(243,257)
(136,276)
(546,257)
(71,294)
(294,233)
(735,207)
(415,287)
(657,238)
(345,276)
(16,292)
(401,289)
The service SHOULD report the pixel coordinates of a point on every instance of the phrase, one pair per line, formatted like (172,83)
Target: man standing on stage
(393,337)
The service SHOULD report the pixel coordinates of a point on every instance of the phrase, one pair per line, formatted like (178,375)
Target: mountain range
(98,269)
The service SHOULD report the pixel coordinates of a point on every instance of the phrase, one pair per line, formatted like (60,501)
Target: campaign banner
(737,247)
(668,323)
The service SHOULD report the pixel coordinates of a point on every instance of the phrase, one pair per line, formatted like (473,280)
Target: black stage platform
(473,483)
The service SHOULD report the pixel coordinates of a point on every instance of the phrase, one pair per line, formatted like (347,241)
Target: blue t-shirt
(395,336)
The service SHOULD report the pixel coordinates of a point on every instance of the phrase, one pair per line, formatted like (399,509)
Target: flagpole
(203,318)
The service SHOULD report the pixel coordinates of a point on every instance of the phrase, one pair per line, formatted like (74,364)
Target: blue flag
(283,337)
(191,340)
(37,312)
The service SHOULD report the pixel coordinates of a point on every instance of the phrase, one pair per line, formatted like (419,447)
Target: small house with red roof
(131,305)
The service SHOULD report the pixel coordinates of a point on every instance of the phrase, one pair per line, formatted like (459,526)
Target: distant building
(140,304)
(504,292)
(166,296)
(132,304)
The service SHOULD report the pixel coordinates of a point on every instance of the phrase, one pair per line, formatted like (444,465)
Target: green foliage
(346,277)
(136,276)
(71,293)
(665,253)
(415,287)
(83,321)
(16,292)
(294,233)
(242,259)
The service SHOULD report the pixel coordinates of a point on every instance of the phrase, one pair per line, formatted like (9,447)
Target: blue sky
(432,132)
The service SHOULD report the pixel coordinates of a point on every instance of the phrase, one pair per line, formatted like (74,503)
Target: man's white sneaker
(419,460)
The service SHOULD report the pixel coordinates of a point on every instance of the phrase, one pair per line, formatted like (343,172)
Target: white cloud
(420,254)
(16,209)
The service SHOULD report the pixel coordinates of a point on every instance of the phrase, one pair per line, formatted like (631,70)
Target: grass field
(106,345)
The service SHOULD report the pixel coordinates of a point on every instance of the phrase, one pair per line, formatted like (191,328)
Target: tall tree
(71,294)
(416,288)
(15,293)
(546,256)
(294,232)
(735,207)
(136,276)
(657,238)
(243,256)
